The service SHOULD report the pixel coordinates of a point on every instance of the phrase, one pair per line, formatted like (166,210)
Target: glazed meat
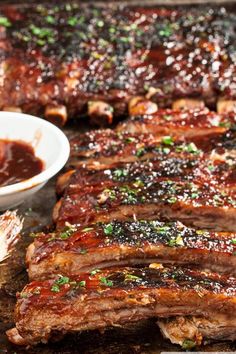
(114,297)
(194,203)
(71,59)
(187,123)
(182,161)
(101,148)
(75,250)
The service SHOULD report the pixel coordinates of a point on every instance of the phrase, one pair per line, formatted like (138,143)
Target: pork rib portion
(190,202)
(188,123)
(115,297)
(96,59)
(182,161)
(74,250)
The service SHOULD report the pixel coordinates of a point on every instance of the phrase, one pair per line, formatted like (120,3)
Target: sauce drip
(17,162)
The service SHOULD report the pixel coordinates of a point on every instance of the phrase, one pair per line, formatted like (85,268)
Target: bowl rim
(49,172)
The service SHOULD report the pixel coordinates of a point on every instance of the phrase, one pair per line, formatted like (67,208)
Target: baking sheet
(141,338)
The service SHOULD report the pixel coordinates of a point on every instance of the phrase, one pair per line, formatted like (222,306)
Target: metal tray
(141,338)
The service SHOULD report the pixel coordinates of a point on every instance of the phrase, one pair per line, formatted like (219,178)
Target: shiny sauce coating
(17,162)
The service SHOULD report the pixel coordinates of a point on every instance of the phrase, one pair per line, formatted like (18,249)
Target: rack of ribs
(138,137)
(75,250)
(191,202)
(166,159)
(100,299)
(73,59)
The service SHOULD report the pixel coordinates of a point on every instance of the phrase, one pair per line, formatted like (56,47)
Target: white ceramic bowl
(50,145)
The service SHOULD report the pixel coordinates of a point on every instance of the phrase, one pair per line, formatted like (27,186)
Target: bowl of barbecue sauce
(32,151)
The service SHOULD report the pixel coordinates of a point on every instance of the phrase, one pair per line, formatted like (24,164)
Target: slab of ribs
(73,59)
(145,223)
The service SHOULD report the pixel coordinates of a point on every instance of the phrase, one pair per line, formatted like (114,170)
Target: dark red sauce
(17,162)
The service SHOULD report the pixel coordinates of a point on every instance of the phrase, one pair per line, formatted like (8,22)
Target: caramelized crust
(74,250)
(112,297)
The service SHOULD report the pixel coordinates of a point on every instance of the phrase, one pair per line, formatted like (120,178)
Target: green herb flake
(210,167)
(130,139)
(138,183)
(82,283)
(167,140)
(233,241)
(108,229)
(94,272)
(50,19)
(83,251)
(130,277)
(106,282)
(120,173)
(24,295)
(172,200)
(140,152)
(166,150)
(100,23)
(72,21)
(33,234)
(188,344)
(4,21)
(192,148)
(55,288)
(62,280)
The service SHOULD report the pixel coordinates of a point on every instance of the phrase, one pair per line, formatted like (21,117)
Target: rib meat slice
(114,297)
(106,147)
(183,161)
(188,123)
(75,250)
(194,203)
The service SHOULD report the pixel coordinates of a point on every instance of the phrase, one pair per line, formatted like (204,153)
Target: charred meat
(70,59)
(74,250)
(100,299)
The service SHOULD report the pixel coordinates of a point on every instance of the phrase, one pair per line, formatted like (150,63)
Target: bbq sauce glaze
(17,162)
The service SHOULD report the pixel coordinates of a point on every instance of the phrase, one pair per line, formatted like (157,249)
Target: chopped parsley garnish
(108,229)
(120,173)
(72,21)
(50,19)
(62,280)
(94,272)
(172,200)
(33,234)
(178,241)
(167,140)
(130,139)
(233,241)
(67,232)
(188,344)
(140,152)
(105,281)
(83,251)
(192,148)
(82,283)
(55,288)
(4,21)
(130,277)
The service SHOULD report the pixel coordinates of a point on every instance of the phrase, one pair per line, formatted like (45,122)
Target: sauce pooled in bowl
(17,162)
